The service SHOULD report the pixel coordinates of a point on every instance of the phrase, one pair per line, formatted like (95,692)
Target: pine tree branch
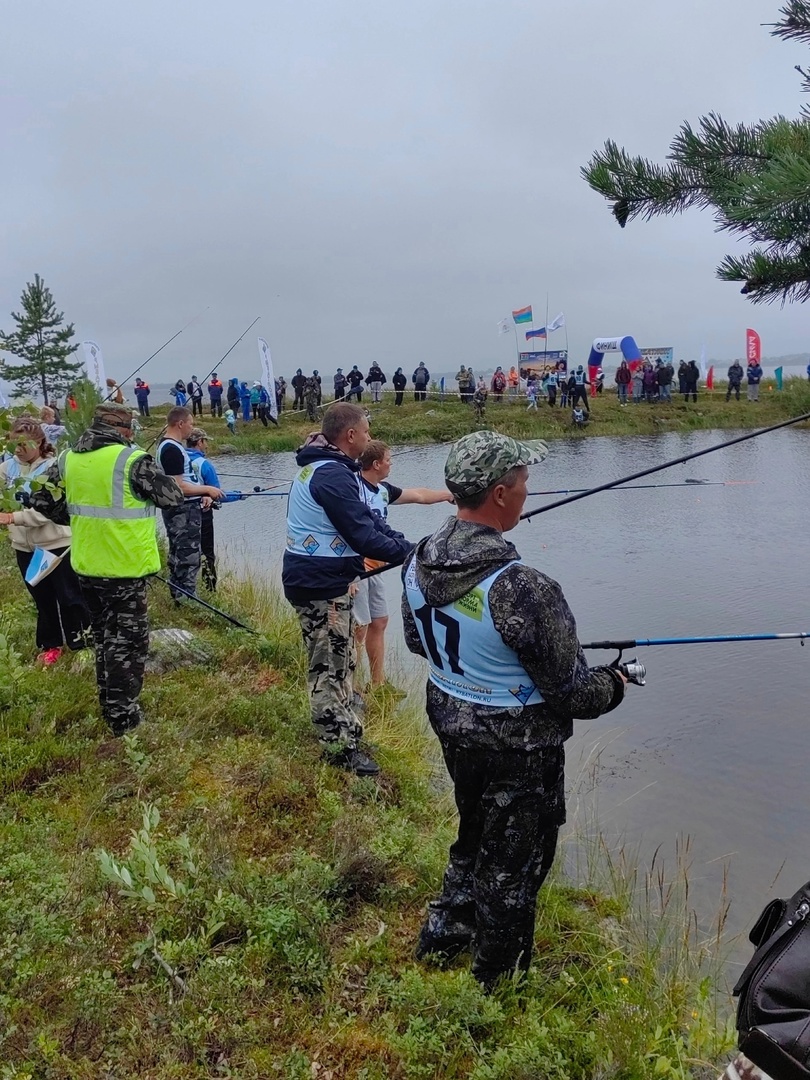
(794,24)
(768,277)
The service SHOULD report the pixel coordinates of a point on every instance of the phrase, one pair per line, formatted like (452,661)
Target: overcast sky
(376,180)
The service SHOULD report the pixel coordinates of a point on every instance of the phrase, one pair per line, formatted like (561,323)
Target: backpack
(773,1014)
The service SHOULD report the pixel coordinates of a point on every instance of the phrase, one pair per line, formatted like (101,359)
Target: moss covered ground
(437,421)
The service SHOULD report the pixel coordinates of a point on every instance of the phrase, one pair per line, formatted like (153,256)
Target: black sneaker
(355,761)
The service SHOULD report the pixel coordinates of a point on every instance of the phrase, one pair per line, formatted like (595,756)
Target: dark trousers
(255,409)
(183,531)
(733,388)
(121,636)
(298,403)
(579,392)
(419,395)
(398,397)
(209,558)
(552,396)
(263,414)
(196,406)
(690,390)
(510,805)
(216,407)
(62,615)
(143,408)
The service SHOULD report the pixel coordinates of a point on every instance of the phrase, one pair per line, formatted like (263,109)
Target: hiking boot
(353,760)
(121,725)
(443,936)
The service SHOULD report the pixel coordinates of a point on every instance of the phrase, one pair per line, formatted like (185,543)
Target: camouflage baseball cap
(114,415)
(481,459)
(196,435)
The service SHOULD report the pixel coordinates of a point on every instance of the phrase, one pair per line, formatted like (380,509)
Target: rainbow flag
(522,315)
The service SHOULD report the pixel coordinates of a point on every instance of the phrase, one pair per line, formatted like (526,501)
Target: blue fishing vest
(579,378)
(190,474)
(467,656)
(309,529)
(376,501)
(14,472)
(551,378)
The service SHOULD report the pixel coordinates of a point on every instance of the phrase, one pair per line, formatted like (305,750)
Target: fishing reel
(633,670)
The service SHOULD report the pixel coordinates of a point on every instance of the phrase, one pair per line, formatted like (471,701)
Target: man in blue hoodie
(330,530)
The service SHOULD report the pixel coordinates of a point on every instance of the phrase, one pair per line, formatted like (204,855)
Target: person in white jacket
(62,616)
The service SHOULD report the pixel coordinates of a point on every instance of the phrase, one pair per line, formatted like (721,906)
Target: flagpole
(545,348)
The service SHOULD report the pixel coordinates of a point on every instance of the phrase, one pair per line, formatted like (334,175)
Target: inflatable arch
(625,345)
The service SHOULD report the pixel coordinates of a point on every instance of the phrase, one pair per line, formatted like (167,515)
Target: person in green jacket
(107,490)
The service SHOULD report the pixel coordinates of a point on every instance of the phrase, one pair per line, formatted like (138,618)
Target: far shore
(438,421)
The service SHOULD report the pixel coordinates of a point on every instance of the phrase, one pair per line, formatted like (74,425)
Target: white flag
(95,365)
(3,399)
(504,326)
(703,367)
(268,379)
(555,324)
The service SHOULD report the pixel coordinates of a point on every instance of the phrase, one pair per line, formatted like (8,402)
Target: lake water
(716,745)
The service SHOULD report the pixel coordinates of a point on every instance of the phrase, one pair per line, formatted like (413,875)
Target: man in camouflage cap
(506,678)
(107,490)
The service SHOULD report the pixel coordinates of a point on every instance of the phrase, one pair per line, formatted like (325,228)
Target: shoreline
(437,422)
(294,893)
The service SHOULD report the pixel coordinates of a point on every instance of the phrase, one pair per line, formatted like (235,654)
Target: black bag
(773,1014)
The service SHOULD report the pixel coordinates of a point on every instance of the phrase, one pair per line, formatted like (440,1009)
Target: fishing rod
(637,643)
(205,604)
(154,354)
(666,465)
(228,353)
(640,487)
(250,476)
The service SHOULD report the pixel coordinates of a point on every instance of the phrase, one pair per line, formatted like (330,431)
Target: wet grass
(437,421)
(206,898)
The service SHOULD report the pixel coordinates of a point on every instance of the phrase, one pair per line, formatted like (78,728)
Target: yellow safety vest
(114,532)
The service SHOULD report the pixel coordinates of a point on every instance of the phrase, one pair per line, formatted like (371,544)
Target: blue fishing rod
(637,643)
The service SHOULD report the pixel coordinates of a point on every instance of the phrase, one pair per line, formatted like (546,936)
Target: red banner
(710,378)
(753,347)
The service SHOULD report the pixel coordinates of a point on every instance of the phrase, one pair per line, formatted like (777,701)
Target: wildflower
(624,979)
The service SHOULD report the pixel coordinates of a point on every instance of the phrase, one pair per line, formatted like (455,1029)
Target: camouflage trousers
(121,636)
(183,530)
(327,627)
(511,805)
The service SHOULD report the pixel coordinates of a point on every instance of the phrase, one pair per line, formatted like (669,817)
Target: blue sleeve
(208,474)
(335,488)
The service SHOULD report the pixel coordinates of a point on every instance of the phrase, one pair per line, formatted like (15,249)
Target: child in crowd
(230,420)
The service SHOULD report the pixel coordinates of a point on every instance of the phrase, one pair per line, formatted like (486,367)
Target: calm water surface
(716,745)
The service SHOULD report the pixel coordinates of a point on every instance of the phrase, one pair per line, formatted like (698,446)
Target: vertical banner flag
(95,365)
(522,315)
(779,373)
(710,378)
(503,326)
(753,347)
(441,387)
(703,365)
(3,400)
(268,378)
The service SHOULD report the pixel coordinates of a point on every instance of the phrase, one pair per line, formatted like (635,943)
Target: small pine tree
(43,345)
(755,178)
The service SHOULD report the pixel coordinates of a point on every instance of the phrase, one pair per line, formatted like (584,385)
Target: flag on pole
(503,326)
(753,346)
(779,373)
(95,365)
(3,400)
(268,378)
(710,378)
(541,333)
(703,366)
(556,323)
(522,315)
(43,562)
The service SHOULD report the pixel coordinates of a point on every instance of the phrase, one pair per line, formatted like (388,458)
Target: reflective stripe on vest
(188,472)
(113,529)
(468,658)
(309,529)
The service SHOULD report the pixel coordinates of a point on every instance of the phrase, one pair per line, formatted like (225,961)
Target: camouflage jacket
(147,480)
(531,615)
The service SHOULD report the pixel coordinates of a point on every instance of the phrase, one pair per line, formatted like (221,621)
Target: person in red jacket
(623,379)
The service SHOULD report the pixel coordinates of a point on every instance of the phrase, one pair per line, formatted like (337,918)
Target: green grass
(207,898)
(440,422)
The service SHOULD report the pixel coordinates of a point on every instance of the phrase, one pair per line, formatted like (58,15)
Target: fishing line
(154,354)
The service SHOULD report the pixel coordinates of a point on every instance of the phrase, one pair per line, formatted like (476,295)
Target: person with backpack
(421,381)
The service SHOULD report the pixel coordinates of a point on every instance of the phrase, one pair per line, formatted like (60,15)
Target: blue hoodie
(335,487)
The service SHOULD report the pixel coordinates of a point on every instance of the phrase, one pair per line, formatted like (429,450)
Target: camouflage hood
(457,557)
(98,435)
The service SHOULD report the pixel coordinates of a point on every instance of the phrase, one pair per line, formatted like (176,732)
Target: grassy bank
(437,422)
(206,898)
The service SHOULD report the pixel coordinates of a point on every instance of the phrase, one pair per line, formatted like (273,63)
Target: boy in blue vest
(370,605)
(506,679)
(330,530)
